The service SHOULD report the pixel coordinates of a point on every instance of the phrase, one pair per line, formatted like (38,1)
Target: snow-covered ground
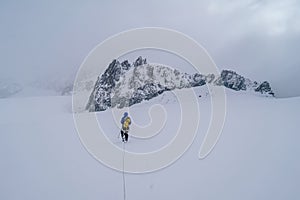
(256,157)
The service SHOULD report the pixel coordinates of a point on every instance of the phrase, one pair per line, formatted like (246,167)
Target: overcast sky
(48,40)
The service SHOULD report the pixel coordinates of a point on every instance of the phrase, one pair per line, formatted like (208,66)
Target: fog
(45,42)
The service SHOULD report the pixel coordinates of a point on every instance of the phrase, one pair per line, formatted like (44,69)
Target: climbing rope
(124,181)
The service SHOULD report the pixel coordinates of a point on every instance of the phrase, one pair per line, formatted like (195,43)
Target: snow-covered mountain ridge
(124,84)
(9,89)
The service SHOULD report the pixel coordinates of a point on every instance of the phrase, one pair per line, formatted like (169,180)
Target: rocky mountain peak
(139,61)
(232,80)
(265,88)
(124,84)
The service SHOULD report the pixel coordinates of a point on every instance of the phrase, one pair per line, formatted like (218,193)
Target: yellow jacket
(125,125)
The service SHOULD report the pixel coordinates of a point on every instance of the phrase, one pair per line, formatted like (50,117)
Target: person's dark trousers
(124,136)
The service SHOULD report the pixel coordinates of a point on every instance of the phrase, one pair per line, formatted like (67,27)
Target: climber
(125,121)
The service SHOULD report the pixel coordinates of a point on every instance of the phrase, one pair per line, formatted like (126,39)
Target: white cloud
(277,17)
(269,17)
(253,36)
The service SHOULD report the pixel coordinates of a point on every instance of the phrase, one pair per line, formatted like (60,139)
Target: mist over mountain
(49,41)
(8,89)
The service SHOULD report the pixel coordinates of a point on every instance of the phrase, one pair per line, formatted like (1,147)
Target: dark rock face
(232,80)
(124,84)
(146,92)
(152,89)
(264,88)
(125,65)
(139,61)
(100,98)
(198,80)
(144,83)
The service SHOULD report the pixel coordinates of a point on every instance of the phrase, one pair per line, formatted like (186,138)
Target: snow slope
(257,156)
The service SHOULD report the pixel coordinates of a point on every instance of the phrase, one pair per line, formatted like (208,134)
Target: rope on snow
(124,181)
